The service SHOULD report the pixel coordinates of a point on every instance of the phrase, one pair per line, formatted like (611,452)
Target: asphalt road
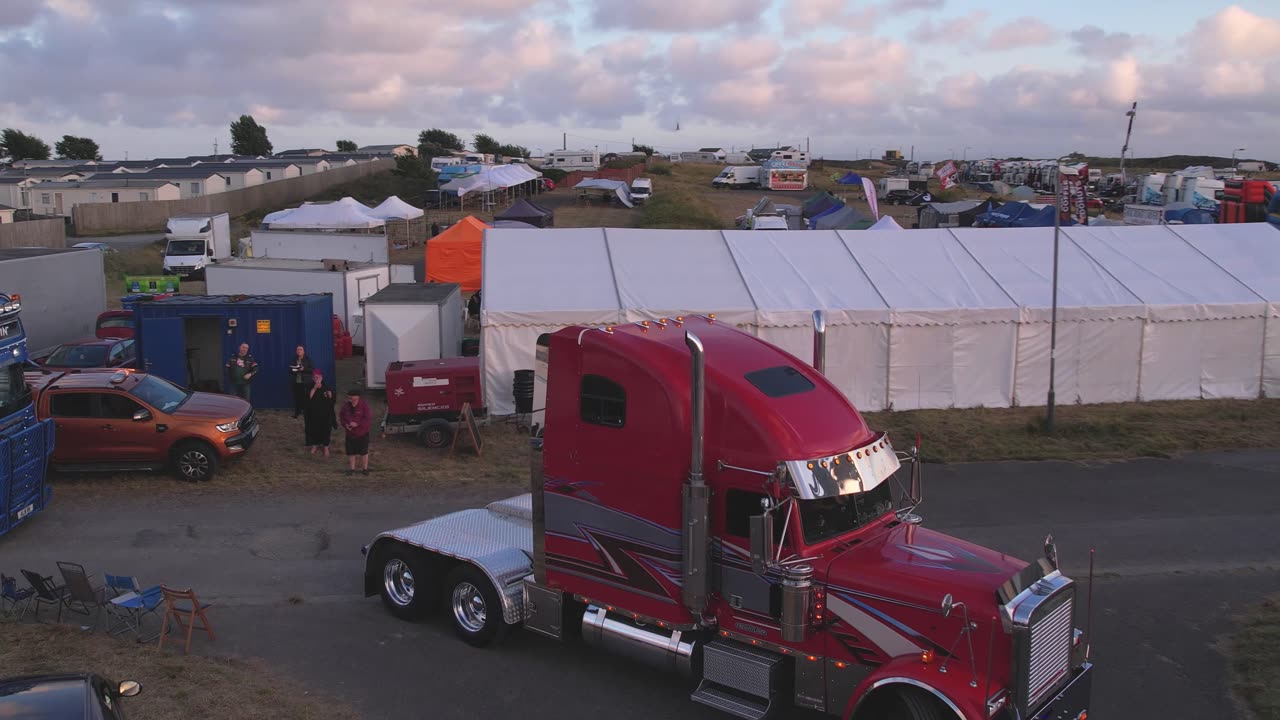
(1182,548)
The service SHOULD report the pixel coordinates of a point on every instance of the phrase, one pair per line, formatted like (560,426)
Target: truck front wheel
(475,607)
(901,703)
(406,584)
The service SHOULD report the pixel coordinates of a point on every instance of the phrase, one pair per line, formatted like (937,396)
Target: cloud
(802,17)
(1021,33)
(906,6)
(1235,33)
(957,30)
(1092,41)
(676,15)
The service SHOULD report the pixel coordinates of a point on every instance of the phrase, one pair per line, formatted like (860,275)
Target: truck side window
(742,505)
(603,402)
(71,405)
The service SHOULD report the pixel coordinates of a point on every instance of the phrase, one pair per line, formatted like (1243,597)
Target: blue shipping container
(188,339)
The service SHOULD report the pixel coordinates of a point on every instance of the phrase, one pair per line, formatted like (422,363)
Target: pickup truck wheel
(194,461)
(437,433)
(475,607)
(406,584)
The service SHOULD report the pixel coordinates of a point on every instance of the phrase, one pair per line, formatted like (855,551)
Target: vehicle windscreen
(78,356)
(116,321)
(725,173)
(160,393)
(185,247)
(829,517)
(14,393)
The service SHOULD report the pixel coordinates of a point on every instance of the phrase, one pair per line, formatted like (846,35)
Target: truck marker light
(724,633)
(712,317)
(926,656)
(810,466)
(813,658)
(841,665)
(609,608)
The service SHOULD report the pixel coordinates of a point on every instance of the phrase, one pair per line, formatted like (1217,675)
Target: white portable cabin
(347,282)
(320,245)
(410,321)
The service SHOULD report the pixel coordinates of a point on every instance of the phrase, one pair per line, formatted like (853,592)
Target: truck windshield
(828,517)
(14,393)
(78,356)
(160,393)
(185,247)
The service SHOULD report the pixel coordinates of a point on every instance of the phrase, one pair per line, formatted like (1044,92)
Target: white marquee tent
(347,213)
(393,208)
(491,177)
(920,318)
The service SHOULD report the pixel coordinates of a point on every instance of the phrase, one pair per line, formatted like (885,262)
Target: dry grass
(173,685)
(278,462)
(1086,432)
(1256,660)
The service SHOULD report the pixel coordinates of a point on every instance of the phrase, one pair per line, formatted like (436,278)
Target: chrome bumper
(1071,702)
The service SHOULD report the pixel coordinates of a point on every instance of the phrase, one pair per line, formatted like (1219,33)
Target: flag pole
(1053,317)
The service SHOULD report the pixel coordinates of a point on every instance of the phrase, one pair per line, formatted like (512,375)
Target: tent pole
(1053,317)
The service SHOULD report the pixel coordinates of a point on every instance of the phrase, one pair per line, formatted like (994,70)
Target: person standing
(243,369)
(356,418)
(301,372)
(320,417)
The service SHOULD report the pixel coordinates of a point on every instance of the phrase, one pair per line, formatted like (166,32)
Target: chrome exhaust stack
(697,544)
(819,342)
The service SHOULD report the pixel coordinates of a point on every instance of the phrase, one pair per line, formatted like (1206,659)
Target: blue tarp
(1036,218)
(850,178)
(1004,215)
(813,219)
(1273,212)
(1190,216)
(820,203)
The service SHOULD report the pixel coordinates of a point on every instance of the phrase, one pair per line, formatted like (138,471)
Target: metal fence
(50,233)
(151,216)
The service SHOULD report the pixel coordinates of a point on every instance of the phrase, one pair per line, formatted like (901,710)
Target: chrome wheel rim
(194,464)
(468,607)
(397,580)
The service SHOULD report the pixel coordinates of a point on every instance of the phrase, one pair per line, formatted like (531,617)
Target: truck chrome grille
(1049,656)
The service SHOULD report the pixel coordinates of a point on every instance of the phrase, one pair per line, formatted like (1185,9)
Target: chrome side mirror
(761,528)
(948,603)
(129,688)
(1051,551)
(142,415)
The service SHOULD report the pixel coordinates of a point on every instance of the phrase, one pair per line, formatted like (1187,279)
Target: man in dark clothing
(473,306)
(300,372)
(243,369)
(356,419)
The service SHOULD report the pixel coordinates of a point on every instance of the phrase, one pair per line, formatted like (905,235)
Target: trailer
(704,502)
(26,443)
(784,174)
(349,283)
(356,246)
(63,291)
(426,397)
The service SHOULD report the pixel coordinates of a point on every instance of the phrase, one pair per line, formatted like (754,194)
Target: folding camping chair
(46,593)
(131,604)
(13,597)
(82,597)
(184,615)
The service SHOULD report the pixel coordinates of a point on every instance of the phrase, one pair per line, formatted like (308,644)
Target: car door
(128,426)
(77,437)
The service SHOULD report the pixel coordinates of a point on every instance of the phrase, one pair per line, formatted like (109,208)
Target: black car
(65,696)
(906,197)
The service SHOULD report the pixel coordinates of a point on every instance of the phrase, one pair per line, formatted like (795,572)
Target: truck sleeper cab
(702,501)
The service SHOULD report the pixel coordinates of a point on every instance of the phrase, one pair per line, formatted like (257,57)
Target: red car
(92,353)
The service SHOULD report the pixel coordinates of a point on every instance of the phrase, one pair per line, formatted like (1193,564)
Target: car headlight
(229,427)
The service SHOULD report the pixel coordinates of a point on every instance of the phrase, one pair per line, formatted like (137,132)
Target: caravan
(570,160)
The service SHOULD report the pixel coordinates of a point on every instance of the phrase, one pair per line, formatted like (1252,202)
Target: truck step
(732,702)
(742,667)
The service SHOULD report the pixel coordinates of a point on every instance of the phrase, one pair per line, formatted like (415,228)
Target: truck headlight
(229,427)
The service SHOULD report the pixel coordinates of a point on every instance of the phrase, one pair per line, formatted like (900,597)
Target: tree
(486,144)
(412,166)
(519,151)
(346,146)
(647,150)
(17,145)
(436,142)
(249,138)
(71,147)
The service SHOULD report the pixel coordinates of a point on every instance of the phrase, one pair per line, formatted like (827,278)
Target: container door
(164,349)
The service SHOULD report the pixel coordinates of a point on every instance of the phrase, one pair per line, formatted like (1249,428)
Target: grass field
(173,685)
(1256,660)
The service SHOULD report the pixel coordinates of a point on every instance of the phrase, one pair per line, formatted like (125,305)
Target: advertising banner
(1071,194)
(947,175)
(869,187)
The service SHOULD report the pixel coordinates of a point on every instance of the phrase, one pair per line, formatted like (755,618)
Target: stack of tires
(522,390)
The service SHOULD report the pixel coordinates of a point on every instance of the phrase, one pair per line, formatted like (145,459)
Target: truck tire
(474,607)
(437,433)
(194,461)
(406,583)
(901,703)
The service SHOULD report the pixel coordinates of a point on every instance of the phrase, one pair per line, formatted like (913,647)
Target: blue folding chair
(14,598)
(131,604)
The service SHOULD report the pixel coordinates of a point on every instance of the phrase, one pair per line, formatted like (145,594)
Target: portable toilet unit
(403,322)
(188,339)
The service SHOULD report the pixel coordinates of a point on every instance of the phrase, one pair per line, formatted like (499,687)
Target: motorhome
(791,155)
(570,160)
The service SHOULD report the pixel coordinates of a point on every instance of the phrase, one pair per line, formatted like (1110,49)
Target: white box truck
(738,176)
(422,321)
(347,282)
(194,242)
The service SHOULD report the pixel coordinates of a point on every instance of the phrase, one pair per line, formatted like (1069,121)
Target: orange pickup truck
(109,420)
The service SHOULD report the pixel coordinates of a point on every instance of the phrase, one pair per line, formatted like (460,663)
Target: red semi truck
(706,502)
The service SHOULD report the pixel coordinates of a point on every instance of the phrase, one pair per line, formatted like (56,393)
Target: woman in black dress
(319,418)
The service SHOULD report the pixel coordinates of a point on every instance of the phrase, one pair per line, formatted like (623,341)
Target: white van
(641,189)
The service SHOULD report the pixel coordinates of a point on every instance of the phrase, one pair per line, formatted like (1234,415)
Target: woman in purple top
(356,419)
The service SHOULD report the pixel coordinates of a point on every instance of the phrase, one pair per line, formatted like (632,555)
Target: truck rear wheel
(475,607)
(437,433)
(194,461)
(406,584)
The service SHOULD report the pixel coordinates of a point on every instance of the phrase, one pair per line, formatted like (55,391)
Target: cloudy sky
(973,77)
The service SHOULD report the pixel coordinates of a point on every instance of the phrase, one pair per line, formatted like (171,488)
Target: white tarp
(621,189)
(1248,252)
(704,280)
(1099,321)
(491,177)
(393,208)
(792,274)
(343,214)
(886,223)
(954,330)
(535,282)
(1204,329)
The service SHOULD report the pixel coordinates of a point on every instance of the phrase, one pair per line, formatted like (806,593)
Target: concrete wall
(63,291)
(122,217)
(34,233)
